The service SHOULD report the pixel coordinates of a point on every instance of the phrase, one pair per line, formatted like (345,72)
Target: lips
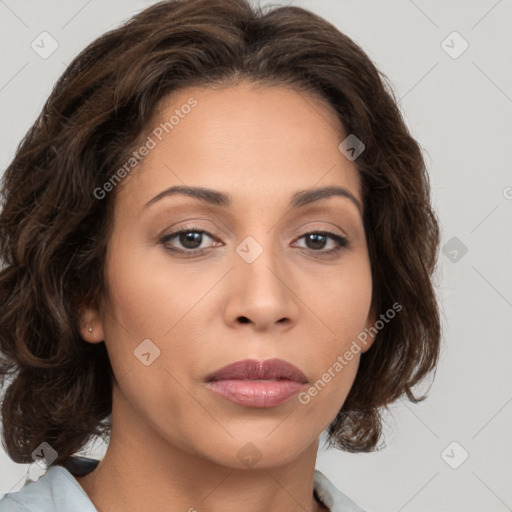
(252,369)
(254,383)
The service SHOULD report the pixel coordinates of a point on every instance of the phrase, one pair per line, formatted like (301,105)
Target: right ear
(91,325)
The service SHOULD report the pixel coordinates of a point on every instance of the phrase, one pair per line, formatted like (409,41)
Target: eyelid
(193,225)
(188,228)
(310,226)
(216,233)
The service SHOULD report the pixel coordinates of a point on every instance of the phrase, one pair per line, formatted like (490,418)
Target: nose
(262,293)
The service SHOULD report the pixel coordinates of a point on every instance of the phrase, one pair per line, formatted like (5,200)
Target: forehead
(248,139)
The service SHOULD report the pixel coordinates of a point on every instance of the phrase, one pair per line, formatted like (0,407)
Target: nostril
(244,319)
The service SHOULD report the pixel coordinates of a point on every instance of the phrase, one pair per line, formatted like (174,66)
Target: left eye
(319,239)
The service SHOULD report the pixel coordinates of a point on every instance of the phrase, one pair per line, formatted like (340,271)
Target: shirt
(58,491)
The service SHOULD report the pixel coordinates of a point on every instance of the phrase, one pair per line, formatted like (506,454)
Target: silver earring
(90,329)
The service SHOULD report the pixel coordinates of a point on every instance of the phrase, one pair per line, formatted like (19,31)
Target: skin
(174,443)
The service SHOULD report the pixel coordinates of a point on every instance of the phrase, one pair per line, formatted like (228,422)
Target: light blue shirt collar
(58,491)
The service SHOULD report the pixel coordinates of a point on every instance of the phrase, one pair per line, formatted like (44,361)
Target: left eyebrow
(299,199)
(305,197)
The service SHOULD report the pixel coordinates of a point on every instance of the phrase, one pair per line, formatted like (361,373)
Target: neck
(136,476)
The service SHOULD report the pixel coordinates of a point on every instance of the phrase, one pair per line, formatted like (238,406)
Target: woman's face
(243,280)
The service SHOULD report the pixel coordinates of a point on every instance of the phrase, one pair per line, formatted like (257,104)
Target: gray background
(460,110)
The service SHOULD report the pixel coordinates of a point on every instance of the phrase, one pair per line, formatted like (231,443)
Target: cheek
(341,298)
(150,302)
(149,294)
(151,298)
(343,305)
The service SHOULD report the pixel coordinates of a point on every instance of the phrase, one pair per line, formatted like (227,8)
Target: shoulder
(331,497)
(55,491)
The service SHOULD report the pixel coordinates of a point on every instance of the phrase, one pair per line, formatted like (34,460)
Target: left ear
(371,335)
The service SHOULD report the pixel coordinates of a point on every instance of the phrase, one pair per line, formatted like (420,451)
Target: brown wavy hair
(54,231)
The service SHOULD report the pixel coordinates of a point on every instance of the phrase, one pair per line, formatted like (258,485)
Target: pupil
(191,240)
(315,239)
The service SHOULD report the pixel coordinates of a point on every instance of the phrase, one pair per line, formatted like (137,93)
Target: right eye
(190,240)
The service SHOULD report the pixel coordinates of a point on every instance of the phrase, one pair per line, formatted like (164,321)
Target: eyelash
(342,242)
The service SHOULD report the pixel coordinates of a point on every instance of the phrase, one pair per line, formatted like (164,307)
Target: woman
(218,243)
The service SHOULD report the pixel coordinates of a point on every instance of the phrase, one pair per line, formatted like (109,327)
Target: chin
(260,449)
